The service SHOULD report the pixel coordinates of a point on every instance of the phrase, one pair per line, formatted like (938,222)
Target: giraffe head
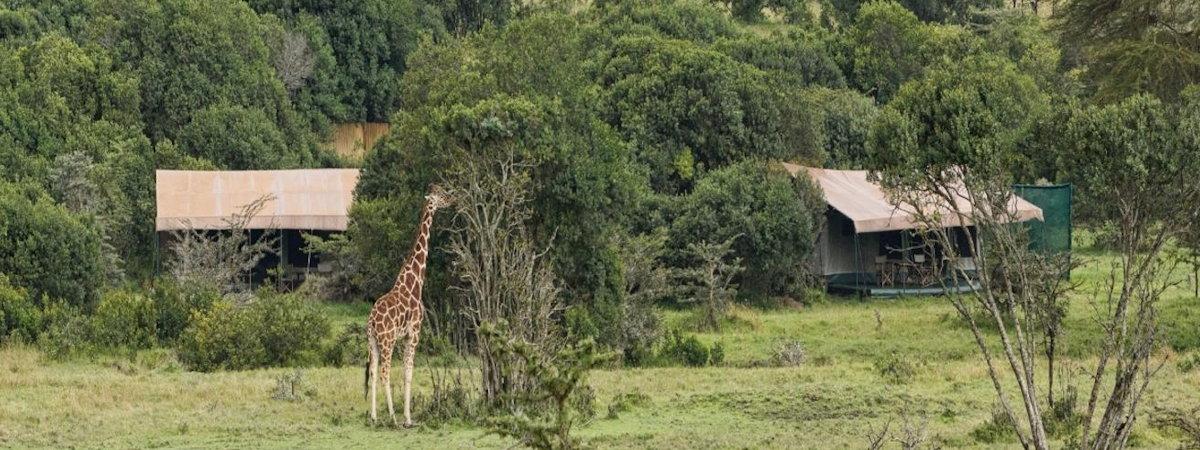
(438,197)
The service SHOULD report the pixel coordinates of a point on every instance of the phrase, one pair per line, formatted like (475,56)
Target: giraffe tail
(367,366)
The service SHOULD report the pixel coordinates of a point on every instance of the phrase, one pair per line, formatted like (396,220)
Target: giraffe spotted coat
(397,315)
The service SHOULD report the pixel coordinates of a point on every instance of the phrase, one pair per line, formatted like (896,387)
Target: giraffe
(398,313)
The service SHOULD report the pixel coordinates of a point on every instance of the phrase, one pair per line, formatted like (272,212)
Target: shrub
(20,317)
(158,360)
(292,387)
(790,353)
(646,280)
(47,250)
(996,430)
(1189,362)
(274,330)
(175,304)
(558,396)
(689,351)
(1184,420)
(626,402)
(1182,322)
(68,332)
(290,328)
(238,138)
(437,348)
(895,369)
(125,319)
(223,337)
(1064,420)
(716,356)
(776,216)
(452,397)
(579,323)
(710,282)
(348,348)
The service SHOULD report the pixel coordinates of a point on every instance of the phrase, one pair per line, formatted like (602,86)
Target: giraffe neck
(420,248)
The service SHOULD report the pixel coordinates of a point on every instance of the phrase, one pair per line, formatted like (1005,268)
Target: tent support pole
(858,270)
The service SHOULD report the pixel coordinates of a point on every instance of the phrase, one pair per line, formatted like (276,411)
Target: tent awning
(864,202)
(307,199)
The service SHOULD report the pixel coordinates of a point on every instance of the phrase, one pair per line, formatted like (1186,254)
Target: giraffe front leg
(410,352)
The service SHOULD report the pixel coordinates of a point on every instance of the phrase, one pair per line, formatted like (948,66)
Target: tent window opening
(963,243)
(891,245)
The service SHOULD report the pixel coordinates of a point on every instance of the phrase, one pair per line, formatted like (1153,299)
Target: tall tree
(688,108)
(1134,170)
(1135,45)
(946,147)
(371,41)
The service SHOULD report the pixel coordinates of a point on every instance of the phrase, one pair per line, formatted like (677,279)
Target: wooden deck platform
(867,286)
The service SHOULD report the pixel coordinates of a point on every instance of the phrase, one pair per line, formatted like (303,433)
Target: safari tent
(868,245)
(313,201)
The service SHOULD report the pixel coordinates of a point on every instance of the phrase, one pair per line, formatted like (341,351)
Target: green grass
(827,402)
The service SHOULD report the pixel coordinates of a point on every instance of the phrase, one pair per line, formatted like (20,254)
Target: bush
(1189,362)
(716,356)
(238,138)
(796,59)
(175,304)
(557,397)
(125,319)
(292,387)
(895,369)
(68,332)
(689,351)
(626,402)
(789,354)
(290,328)
(1184,420)
(848,115)
(452,398)
(47,250)
(1181,320)
(1064,420)
(274,330)
(689,108)
(224,337)
(20,317)
(348,348)
(996,430)
(646,280)
(777,216)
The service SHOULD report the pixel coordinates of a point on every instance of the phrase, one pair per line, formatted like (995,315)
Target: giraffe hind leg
(373,372)
(385,357)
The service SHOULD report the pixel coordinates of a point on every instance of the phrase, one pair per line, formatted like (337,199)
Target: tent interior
(887,263)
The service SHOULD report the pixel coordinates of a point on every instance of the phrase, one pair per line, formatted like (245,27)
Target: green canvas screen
(1054,233)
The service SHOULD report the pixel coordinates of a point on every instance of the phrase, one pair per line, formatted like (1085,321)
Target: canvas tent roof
(864,202)
(307,199)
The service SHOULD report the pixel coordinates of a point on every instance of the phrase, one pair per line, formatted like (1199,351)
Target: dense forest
(648,134)
(637,119)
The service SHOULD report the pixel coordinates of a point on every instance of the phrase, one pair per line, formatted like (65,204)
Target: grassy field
(145,400)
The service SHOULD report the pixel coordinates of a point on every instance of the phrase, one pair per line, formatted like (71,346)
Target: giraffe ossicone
(397,315)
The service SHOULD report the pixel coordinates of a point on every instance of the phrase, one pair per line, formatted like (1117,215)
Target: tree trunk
(1050,372)
(1196,275)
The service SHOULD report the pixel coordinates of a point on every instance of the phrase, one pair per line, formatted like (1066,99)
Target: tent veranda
(865,245)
